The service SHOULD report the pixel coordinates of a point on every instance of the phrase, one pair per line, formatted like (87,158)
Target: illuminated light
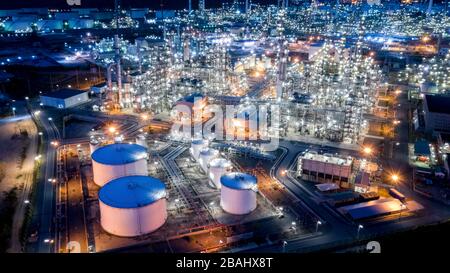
(367,150)
(395,178)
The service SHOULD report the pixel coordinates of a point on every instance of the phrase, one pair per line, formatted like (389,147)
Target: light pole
(402,207)
(317,225)
(284,246)
(359,228)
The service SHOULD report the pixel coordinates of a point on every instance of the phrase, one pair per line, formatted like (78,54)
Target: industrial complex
(223,126)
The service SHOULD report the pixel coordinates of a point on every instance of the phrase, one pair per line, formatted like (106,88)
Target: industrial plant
(223,126)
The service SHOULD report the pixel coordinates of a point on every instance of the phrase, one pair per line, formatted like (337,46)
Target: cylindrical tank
(118,139)
(142,140)
(238,193)
(217,168)
(196,146)
(205,157)
(132,205)
(118,160)
(94,144)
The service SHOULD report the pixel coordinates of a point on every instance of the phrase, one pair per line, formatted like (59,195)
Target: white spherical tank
(118,160)
(142,140)
(132,205)
(196,146)
(205,157)
(217,168)
(238,193)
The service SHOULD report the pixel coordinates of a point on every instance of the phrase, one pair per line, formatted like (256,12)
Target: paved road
(46,189)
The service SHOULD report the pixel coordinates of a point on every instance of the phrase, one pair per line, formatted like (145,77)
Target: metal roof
(119,153)
(132,191)
(198,141)
(422,147)
(208,151)
(374,208)
(63,93)
(219,162)
(239,181)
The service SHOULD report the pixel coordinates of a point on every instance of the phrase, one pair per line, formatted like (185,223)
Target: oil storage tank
(94,144)
(238,193)
(118,160)
(132,205)
(196,146)
(217,168)
(142,140)
(205,157)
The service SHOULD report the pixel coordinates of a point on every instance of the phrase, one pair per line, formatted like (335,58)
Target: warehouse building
(64,98)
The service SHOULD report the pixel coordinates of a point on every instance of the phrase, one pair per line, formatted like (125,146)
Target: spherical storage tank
(205,156)
(118,160)
(238,193)
(217,168)
(196,146)
(132,205)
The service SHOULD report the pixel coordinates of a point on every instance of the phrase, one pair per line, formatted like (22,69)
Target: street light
(317,225)
(402,207)
(48,241)
(284,246)
(395,178)
(367,150)
(359,228)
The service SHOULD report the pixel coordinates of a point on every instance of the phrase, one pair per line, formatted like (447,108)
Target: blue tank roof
(238,181)
(132,191)
(119,153)
(198,141)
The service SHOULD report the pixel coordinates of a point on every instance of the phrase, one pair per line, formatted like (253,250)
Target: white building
(64,98)
(324,168)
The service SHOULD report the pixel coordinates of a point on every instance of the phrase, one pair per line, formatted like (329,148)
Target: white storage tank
(118,139)
(132,205)
(118,160)
(217,168)
(196,146)
(238,193)
(141,139)
(94,144)
(205,157)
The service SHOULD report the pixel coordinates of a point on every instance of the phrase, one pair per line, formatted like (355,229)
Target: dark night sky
(154,4)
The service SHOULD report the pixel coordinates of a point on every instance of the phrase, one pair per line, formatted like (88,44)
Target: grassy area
(9,203)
